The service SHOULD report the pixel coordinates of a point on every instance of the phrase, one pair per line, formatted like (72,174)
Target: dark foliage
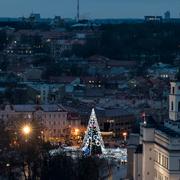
(149,42)
(64,167)
(3,39)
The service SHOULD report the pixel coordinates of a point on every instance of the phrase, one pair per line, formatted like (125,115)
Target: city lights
(76,131)
(26,129)
(125,135)
(90,95)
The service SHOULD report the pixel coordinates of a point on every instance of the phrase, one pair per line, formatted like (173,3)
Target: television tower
(77,10)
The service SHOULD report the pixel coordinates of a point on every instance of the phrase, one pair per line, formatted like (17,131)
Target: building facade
(54,119)
(159,158)
(114,120)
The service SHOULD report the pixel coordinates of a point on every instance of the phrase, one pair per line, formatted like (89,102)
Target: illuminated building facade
(55,119)
(158,154)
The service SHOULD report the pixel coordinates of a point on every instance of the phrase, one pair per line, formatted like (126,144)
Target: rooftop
(169,132)
(34,107)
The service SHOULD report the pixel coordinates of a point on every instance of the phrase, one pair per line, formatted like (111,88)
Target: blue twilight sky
(89,8)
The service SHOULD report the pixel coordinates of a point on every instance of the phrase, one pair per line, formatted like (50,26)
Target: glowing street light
(26,129)
(125,135)
(76,131)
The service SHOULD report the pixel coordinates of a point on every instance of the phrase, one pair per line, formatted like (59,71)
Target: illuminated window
(159,158)
(160,176)
(166,163)
(162,160)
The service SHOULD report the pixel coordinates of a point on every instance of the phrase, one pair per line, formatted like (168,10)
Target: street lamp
(76,131)
(125,135)
(26,130)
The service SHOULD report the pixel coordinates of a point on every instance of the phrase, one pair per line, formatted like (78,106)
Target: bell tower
(174,101)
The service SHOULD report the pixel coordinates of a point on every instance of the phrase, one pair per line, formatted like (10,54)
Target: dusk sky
(89,8)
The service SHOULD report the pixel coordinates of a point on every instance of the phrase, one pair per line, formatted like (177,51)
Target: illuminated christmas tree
(93,143)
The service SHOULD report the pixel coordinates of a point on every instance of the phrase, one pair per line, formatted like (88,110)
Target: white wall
(137,167)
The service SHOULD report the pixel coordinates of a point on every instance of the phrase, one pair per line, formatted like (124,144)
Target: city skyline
(89,9)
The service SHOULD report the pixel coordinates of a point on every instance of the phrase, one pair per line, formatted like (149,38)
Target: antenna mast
(77,10)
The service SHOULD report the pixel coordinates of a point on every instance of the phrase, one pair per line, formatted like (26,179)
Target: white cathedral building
(157,155)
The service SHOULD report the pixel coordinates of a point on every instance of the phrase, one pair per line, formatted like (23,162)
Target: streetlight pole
(125,136)
(26,131)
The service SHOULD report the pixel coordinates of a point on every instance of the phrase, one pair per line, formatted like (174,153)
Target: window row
(56,131)
(160,176)
(55,123)
(172,106)
(162,159)
(45,116)
(4,116)
(54,115)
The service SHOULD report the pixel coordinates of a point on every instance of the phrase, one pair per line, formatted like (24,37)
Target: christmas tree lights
(93,143)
